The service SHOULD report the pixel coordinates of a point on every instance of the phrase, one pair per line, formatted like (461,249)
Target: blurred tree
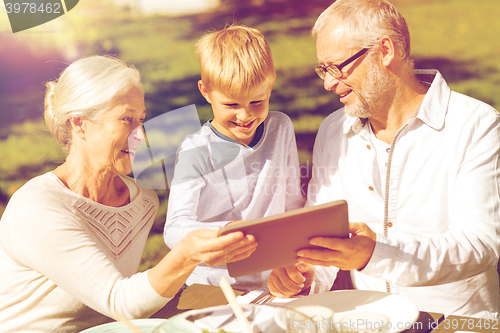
(287,3)
(4,198)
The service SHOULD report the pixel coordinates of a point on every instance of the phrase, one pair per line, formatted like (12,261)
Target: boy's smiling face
(238,117)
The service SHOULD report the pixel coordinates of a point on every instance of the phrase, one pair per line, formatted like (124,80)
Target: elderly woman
(71,240)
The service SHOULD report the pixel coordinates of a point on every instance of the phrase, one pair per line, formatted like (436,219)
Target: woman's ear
(204,91)
(78,125)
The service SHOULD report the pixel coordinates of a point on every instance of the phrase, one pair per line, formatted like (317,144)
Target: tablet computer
(281,236)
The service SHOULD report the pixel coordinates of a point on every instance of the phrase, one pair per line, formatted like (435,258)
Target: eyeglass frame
(330,69)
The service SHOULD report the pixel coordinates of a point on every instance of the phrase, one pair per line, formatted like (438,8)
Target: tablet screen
(281,236)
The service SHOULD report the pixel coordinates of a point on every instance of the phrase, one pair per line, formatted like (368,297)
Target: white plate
(402,313)
(181,324)
(145,325)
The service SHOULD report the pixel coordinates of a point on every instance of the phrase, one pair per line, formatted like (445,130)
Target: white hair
(364,22)
(86,88)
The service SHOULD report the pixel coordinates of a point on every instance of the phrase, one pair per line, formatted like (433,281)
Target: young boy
(242,164)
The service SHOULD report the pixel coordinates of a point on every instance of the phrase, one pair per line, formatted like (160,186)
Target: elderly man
(417,163)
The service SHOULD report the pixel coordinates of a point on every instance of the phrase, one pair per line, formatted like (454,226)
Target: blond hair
(86,88)
(364,22)
(235,60)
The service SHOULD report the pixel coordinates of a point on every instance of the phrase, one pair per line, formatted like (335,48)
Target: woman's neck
(97,184)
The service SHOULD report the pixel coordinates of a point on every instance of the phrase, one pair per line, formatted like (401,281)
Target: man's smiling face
(362,86)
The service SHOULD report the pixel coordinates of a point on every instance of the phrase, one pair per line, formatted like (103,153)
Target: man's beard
(378,88)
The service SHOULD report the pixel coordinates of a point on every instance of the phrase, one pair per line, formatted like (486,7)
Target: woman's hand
(291,280)
(204,245)
(198,245)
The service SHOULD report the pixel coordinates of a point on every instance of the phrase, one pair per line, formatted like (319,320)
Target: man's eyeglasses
(336,70)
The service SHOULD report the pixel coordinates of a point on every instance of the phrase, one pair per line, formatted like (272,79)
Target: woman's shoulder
(42,188)
(37,204)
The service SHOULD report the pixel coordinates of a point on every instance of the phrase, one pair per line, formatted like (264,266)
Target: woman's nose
(139,133)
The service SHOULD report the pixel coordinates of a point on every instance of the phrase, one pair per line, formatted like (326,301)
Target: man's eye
(127,119)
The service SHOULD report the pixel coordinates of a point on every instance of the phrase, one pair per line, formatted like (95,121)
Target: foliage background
(457,37)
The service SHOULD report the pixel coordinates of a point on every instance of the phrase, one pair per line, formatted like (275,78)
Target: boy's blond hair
(235,60)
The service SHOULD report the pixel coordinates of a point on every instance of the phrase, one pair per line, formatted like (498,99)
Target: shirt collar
(432,111)
(435,104)
(355,124)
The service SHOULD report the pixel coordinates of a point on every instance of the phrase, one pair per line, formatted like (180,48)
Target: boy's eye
(256,102)
(231,105)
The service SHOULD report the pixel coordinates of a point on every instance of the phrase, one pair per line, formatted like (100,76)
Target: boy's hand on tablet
(291,280)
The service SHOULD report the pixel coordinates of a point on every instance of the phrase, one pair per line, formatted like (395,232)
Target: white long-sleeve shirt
(217,181)
(436,214)
(68,263)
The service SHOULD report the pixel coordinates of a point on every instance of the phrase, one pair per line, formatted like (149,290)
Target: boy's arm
(184,198)
(294,197)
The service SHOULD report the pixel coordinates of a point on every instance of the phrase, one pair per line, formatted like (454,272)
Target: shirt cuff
(384,259)
(323,279)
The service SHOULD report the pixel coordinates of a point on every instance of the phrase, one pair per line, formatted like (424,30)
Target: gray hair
(86,88)
(364,22)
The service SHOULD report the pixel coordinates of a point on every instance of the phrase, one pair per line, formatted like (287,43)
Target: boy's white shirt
(217,181)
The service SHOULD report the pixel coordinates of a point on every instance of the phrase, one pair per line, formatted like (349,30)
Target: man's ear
(388,50)
(204,91)
(78,125)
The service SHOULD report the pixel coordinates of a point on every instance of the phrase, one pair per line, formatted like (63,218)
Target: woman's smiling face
(113,139)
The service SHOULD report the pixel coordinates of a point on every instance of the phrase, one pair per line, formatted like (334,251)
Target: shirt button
(368,147)
(389,224)
(370,188)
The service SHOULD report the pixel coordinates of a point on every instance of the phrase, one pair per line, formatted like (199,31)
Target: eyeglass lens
(336,71)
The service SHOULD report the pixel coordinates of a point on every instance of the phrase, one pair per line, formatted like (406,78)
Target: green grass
(154,251)
(29,143)
(453,29)
(29,150)
(465,34)
(454,36)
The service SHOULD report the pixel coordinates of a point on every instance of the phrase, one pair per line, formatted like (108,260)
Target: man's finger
(327,242)
(355,228)
(323,255)
(315,262)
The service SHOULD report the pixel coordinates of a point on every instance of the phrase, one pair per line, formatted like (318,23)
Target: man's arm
(470,241)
